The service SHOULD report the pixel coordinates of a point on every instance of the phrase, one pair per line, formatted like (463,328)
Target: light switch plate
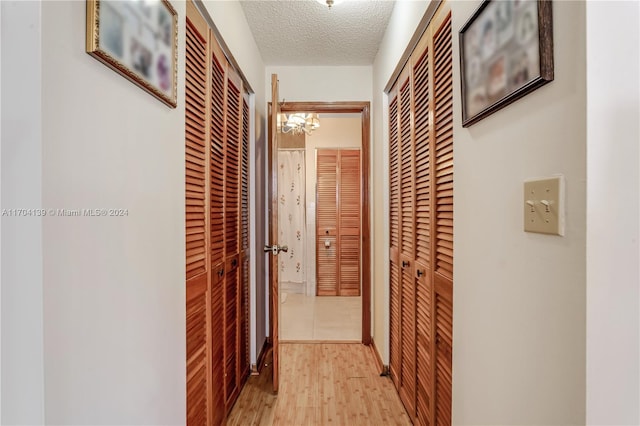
(544,205)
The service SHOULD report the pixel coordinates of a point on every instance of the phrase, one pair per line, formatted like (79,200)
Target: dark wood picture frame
(146,52)
(512,57)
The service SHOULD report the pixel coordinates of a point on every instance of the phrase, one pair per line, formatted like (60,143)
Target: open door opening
(275,139)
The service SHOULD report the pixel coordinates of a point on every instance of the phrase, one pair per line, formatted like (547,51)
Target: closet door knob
(405,263)
(420,272)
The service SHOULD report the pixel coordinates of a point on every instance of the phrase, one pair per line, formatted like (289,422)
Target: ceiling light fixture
(298,123)
(329,3)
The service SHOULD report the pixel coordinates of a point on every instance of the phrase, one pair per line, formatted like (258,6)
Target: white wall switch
(544,205)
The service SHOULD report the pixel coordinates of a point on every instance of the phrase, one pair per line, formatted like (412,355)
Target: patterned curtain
(291,215)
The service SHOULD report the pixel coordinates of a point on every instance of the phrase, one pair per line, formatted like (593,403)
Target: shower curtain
(291,216)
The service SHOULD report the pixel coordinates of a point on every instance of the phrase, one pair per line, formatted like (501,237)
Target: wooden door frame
(362,108)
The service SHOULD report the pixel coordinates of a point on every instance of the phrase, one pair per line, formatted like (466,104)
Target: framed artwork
(138,39)
(506,51)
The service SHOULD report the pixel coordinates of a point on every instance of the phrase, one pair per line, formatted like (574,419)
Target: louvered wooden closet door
(407,247)
(232,238)
(421,223)
(394,239)
(216,215)
(244,241)
(197,268)
(443,277)
(423,283)
(338,234)
(217,227)
(327,222)
(349,207)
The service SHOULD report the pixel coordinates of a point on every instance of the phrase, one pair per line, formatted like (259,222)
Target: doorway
(319,219)
(303,314)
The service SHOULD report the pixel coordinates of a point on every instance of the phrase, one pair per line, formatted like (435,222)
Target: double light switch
(544,205)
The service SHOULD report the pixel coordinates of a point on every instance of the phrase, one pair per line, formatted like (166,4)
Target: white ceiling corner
(305,32)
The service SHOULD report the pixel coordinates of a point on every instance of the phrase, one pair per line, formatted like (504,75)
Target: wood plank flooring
(321,384)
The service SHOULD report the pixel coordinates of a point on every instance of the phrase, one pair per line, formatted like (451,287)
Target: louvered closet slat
(394,239)
(195,212)
(217,227)
(421,226)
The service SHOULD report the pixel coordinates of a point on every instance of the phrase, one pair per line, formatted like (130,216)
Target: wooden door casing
(362,108)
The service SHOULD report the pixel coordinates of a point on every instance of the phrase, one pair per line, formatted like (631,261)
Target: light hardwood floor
(321,384)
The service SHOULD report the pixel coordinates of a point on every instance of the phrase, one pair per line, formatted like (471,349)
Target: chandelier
(298,123)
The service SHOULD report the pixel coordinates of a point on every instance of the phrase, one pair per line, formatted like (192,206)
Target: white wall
(114,297)
(320,83)
(519,298)
(613,95)
(406,16)
(334,132)
(114,306)
(22,380)
(229,20)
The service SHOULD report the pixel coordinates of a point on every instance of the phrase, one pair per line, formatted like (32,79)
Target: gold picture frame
(139,40)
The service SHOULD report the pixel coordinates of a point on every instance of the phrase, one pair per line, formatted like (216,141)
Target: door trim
(364,109)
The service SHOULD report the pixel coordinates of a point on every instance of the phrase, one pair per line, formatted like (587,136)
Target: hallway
(321,384)
(98,323)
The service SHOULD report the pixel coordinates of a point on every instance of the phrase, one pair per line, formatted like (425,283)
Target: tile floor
(325,318)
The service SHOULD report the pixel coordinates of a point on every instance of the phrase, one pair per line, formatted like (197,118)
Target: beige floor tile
(320,318)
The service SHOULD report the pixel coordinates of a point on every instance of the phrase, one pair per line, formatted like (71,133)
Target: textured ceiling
(305,32)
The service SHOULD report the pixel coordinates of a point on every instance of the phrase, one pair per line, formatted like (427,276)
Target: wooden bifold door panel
(338,222)
(421,226)
(217,228)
